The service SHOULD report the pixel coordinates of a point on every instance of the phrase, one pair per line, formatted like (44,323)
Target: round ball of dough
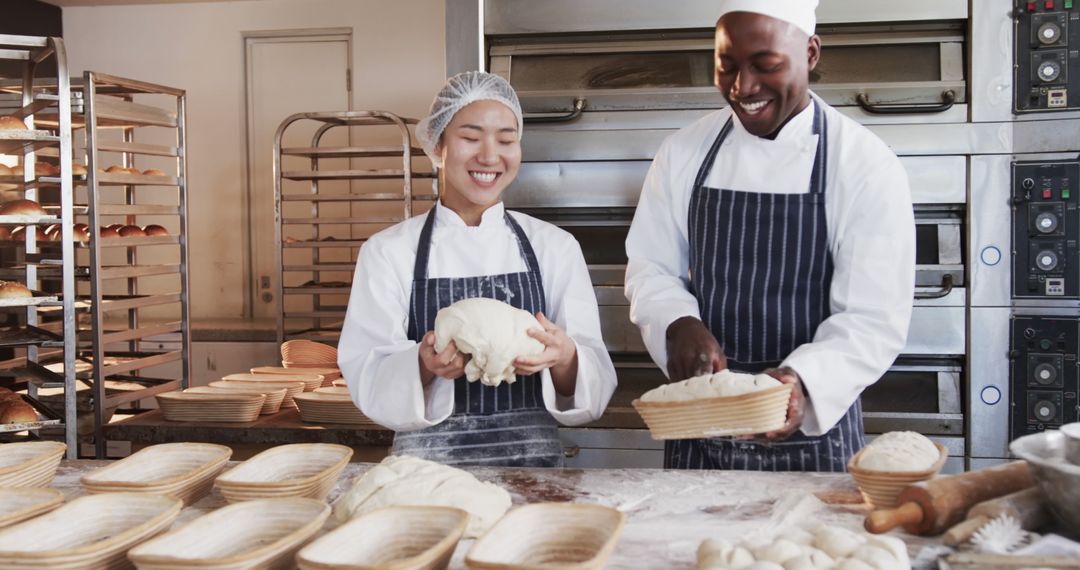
(902,451)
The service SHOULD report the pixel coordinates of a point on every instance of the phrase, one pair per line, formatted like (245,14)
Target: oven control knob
(1046,260)
(1049,33)
(1049,71)
(1028,183)
(1046,222)
(1045,411)
(1045,374)
(990,395)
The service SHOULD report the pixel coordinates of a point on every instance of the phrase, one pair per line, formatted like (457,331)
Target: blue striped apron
(761,269)
(504,425)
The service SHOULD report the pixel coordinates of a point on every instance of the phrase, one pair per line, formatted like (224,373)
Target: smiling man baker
(774,235)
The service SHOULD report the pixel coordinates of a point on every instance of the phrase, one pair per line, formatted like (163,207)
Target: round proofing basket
(881,488)
(746,414)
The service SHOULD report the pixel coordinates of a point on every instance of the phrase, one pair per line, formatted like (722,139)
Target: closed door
(291,72)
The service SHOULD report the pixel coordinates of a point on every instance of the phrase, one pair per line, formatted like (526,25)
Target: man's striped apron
(760,268)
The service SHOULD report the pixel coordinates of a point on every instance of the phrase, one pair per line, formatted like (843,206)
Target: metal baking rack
(313,271)
(32,341)
(119,267)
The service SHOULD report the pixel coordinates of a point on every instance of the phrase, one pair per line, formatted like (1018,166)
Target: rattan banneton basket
(746,414)
(881,488)
(563,536)
(391,538)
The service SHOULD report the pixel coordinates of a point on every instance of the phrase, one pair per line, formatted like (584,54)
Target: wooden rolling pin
(1026,506)
(931,507)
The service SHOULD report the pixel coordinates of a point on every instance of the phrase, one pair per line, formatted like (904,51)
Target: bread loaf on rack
(8,123)
(153,172)
(17,412)
(155,230)
(14,290)
(131,231)
(22,208)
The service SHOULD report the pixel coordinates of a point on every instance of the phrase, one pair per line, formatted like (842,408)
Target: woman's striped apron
(505,425)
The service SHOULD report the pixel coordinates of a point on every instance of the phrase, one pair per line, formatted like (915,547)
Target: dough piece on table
(493,332)
(716,554)
(853,564)
(764,565)
(811,559)
(721,384)
(778,551)
(899,451)
(406,480)
(878,558)
(837,542)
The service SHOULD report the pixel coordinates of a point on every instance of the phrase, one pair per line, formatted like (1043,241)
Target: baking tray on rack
(35,300)
(21,142)
(26,336)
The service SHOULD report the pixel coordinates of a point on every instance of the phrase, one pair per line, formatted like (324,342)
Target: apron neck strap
(423,249)
(817,176)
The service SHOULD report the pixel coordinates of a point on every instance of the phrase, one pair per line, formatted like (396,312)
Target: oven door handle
(946,288)
(947,100)
(579,106)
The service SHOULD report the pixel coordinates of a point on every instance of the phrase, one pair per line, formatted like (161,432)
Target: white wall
(398,65)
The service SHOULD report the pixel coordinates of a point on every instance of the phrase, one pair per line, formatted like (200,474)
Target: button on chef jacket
(870,233)
(381,365)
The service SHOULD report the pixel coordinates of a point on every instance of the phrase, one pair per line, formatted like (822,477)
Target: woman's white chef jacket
(381,365)
(871,239)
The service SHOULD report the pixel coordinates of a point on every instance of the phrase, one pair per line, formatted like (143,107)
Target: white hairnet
(459,91)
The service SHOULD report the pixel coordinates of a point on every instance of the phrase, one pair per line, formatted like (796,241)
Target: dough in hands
(899,451)
(721,384)
(493,332)
(407,480)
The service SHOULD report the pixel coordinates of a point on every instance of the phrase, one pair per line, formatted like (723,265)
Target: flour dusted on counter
(720,384)
(822,548)
(406,480)
(899,451)
(493,332)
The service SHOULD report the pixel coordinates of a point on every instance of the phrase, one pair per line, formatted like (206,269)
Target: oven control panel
(1044,374)
(1047,65)
(1046,229)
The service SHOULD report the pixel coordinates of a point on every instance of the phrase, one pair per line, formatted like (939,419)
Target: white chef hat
(459,91)
(799,13)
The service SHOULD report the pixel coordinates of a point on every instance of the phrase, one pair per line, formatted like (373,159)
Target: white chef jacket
(381,365)
(871,238)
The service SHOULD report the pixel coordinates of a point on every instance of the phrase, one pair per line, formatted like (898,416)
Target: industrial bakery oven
(603,83)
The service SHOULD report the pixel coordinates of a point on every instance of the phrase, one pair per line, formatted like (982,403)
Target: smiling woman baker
(774,235)
(468,246)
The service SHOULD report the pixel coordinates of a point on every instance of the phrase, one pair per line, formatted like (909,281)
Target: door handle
(579,106)
(947,100)
(946,288)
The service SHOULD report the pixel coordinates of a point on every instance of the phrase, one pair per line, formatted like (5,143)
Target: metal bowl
(1058,479)
(1072,442)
